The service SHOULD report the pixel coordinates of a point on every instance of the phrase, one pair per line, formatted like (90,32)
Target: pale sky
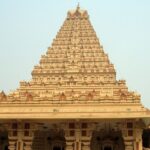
(27,28)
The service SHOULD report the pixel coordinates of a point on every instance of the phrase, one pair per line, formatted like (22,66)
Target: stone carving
(29,96)
(75,60)
(3,96)
(62,97)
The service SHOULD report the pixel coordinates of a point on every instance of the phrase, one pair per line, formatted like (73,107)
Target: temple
(74,101)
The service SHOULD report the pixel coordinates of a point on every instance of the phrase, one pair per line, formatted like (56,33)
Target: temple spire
(75,62)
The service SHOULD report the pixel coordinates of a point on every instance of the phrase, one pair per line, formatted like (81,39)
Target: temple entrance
(49,140)
(57,144)
(3,140)
(57,148)
(104,140)
(146,138)
(107,148)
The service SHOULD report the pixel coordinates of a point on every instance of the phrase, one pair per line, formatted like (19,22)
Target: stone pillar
(28,135)
(28,144)
(128,144)
(128,140)
(78,138)
(19,145)
(86,139)
(70,140)
(69,143)
(12,136)
(138,139)
(78,135)
(12,143)
(86,146)
(69,146)
(20,135)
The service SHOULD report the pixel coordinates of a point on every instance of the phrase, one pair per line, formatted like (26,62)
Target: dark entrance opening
(57,148)
(49,139)
(146,138)
(6,148)
(102,140)
(107,148)
(3,140)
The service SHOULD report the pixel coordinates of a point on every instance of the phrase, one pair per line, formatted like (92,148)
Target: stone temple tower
(74,101)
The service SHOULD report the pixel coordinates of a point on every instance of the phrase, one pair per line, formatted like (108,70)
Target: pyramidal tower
(74,91)
(75,70)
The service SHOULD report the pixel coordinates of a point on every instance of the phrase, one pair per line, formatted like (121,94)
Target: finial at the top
(77,13)
(78,6)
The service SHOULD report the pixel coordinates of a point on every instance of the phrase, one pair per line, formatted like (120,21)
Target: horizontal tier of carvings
(62,95)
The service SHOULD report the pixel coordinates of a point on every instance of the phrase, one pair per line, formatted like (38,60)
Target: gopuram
(73,101)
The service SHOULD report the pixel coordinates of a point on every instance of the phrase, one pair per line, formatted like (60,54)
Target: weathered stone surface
(74,77)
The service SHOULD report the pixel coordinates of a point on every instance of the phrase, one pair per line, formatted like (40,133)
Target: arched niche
(107,140)
(49,140)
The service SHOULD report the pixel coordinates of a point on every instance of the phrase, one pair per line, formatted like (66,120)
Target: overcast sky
(27,28)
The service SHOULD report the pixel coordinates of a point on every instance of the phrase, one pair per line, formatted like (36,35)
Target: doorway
(6,148)
(56,148)
(146,138)
(3,140)
(49,140)
(107,148)
(102,140)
